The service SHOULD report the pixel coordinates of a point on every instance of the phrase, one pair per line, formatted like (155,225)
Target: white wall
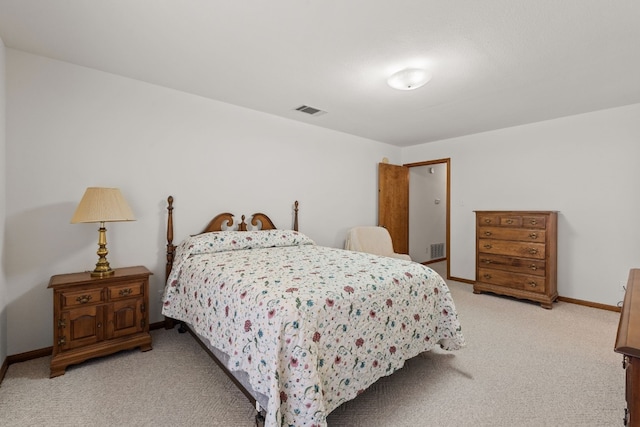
(3,282)
(584,166)
(70,127)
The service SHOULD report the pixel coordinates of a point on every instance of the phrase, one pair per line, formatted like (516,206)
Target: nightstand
(95,317)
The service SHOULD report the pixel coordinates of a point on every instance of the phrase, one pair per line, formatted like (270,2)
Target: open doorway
(393,207)
(429,213)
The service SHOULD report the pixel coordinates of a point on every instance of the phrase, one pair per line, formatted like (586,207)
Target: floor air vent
(310,110)
(437,251)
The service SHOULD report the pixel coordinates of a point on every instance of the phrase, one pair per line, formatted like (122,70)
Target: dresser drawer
(512,220)
(534,221)
(519,234)
(488,220)
(81,297)
(510,248)
(535,267)
(126,291)
(512,280)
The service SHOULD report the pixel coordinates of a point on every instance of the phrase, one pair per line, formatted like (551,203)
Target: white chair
(373,240)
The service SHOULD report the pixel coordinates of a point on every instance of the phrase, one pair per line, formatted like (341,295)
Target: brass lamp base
(101,273)
(102,266)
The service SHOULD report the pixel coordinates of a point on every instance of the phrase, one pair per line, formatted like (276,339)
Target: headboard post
(295,216)
(170,246)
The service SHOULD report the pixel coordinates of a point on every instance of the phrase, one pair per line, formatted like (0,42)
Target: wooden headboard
(220,222)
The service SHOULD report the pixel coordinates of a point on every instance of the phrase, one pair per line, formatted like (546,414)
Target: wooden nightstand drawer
(82,297)
(128,290)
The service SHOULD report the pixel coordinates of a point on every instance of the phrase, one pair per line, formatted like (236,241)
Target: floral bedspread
(312,326)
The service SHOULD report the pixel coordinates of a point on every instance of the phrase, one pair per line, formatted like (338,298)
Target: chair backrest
(371,239)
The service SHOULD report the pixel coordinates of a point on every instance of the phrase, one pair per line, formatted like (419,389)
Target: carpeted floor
(523,366)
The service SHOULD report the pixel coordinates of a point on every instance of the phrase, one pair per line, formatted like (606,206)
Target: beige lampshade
(102,205)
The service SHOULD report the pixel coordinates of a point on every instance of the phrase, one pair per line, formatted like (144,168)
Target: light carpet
(523,366)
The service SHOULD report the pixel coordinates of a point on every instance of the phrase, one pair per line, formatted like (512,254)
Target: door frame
(447,162)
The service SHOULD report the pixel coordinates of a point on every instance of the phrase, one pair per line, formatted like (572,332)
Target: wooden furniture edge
(628,336)
(61,361)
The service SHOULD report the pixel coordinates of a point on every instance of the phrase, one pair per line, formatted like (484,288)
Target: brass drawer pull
(83,299)
(533,222)
(533,251)
(487,276)
(533,284)
(487,221)
(62,340)
(486,261)
(533,267)
(125,292)
(487,233)
(509,221)
(487,246)
(533,235)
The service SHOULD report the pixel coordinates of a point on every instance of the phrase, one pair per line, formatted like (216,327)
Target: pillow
(222,241)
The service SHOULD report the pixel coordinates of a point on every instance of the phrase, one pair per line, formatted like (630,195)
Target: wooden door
(393,204)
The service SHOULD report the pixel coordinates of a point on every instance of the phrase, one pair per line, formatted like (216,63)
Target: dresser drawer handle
(509,221)
(486,261)
(487,276)
(487,233)
(533,267)
(533,251)
(624,362)
(488,246)
(487,221)
(533,284)
(533,222)
(83,299)
(533,235)
(125,292)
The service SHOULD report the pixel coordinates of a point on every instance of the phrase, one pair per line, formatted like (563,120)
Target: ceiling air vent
(310,110)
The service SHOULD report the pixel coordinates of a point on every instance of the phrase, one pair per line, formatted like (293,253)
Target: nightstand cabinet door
(98,316)
(126,317)
(80,327)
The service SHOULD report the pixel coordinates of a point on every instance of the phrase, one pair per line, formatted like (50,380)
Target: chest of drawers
(628,344)
(516,254)
(98,316)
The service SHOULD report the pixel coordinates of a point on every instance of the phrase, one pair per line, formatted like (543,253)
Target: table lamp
(102,205)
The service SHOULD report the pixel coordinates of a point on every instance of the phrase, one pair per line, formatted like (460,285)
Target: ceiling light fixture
(409,79)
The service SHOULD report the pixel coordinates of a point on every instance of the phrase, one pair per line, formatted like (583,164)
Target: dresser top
(85,276)
(628,338)
(519,212)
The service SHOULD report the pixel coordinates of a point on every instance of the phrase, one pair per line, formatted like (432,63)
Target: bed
(302,328)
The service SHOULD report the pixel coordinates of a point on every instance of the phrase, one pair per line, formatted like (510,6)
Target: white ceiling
(495,63)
